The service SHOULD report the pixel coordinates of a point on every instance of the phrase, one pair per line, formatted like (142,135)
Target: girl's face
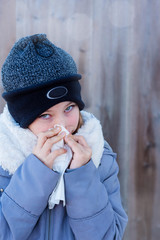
(65,113)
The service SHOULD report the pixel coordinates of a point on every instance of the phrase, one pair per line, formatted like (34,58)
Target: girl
(42,90)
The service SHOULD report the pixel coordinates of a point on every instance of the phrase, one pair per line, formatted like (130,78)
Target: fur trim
(16,143)
(91,130)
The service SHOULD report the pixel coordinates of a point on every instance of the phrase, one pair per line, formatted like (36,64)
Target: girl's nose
(60,122)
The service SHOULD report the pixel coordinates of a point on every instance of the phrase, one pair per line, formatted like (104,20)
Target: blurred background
(116,45)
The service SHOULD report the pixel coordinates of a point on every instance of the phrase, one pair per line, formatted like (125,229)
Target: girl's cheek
(74,122)
(41,128)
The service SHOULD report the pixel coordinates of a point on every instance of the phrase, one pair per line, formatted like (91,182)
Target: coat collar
(16,143)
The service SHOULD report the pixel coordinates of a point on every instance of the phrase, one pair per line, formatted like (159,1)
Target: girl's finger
(72,143)
(43,136)
(51,141)
(53,155)
(80,139)
(57,153)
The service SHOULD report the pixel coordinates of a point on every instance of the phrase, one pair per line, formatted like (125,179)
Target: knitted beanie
(36,75)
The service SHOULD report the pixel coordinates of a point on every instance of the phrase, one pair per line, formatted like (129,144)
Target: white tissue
(60,165)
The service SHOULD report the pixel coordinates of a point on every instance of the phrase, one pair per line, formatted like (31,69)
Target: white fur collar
(17,143)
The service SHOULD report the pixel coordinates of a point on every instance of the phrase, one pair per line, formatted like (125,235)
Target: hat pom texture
(34,60)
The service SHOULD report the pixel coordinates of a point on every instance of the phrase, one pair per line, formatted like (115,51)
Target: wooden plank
(8,32)
(144,213)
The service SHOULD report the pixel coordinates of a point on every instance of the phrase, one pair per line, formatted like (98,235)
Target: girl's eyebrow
(47,111)
(68,104)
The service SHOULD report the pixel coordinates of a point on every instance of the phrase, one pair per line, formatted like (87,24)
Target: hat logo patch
(57,92)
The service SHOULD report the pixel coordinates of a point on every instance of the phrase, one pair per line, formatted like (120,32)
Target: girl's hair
(80,123)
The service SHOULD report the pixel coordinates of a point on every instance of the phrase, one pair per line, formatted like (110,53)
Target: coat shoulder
(108,165)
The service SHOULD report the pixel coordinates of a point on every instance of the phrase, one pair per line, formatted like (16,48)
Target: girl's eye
(69,108)
(45,116)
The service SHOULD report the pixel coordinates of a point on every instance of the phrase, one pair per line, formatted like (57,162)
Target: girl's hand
(42,150)
(81,151)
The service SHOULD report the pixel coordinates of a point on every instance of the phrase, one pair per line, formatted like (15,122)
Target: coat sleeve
(25,198)
(94,202)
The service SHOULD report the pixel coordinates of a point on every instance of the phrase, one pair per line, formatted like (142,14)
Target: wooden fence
(116,44)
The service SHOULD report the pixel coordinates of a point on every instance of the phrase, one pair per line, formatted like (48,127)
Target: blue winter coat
(93,208)
(93,204)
